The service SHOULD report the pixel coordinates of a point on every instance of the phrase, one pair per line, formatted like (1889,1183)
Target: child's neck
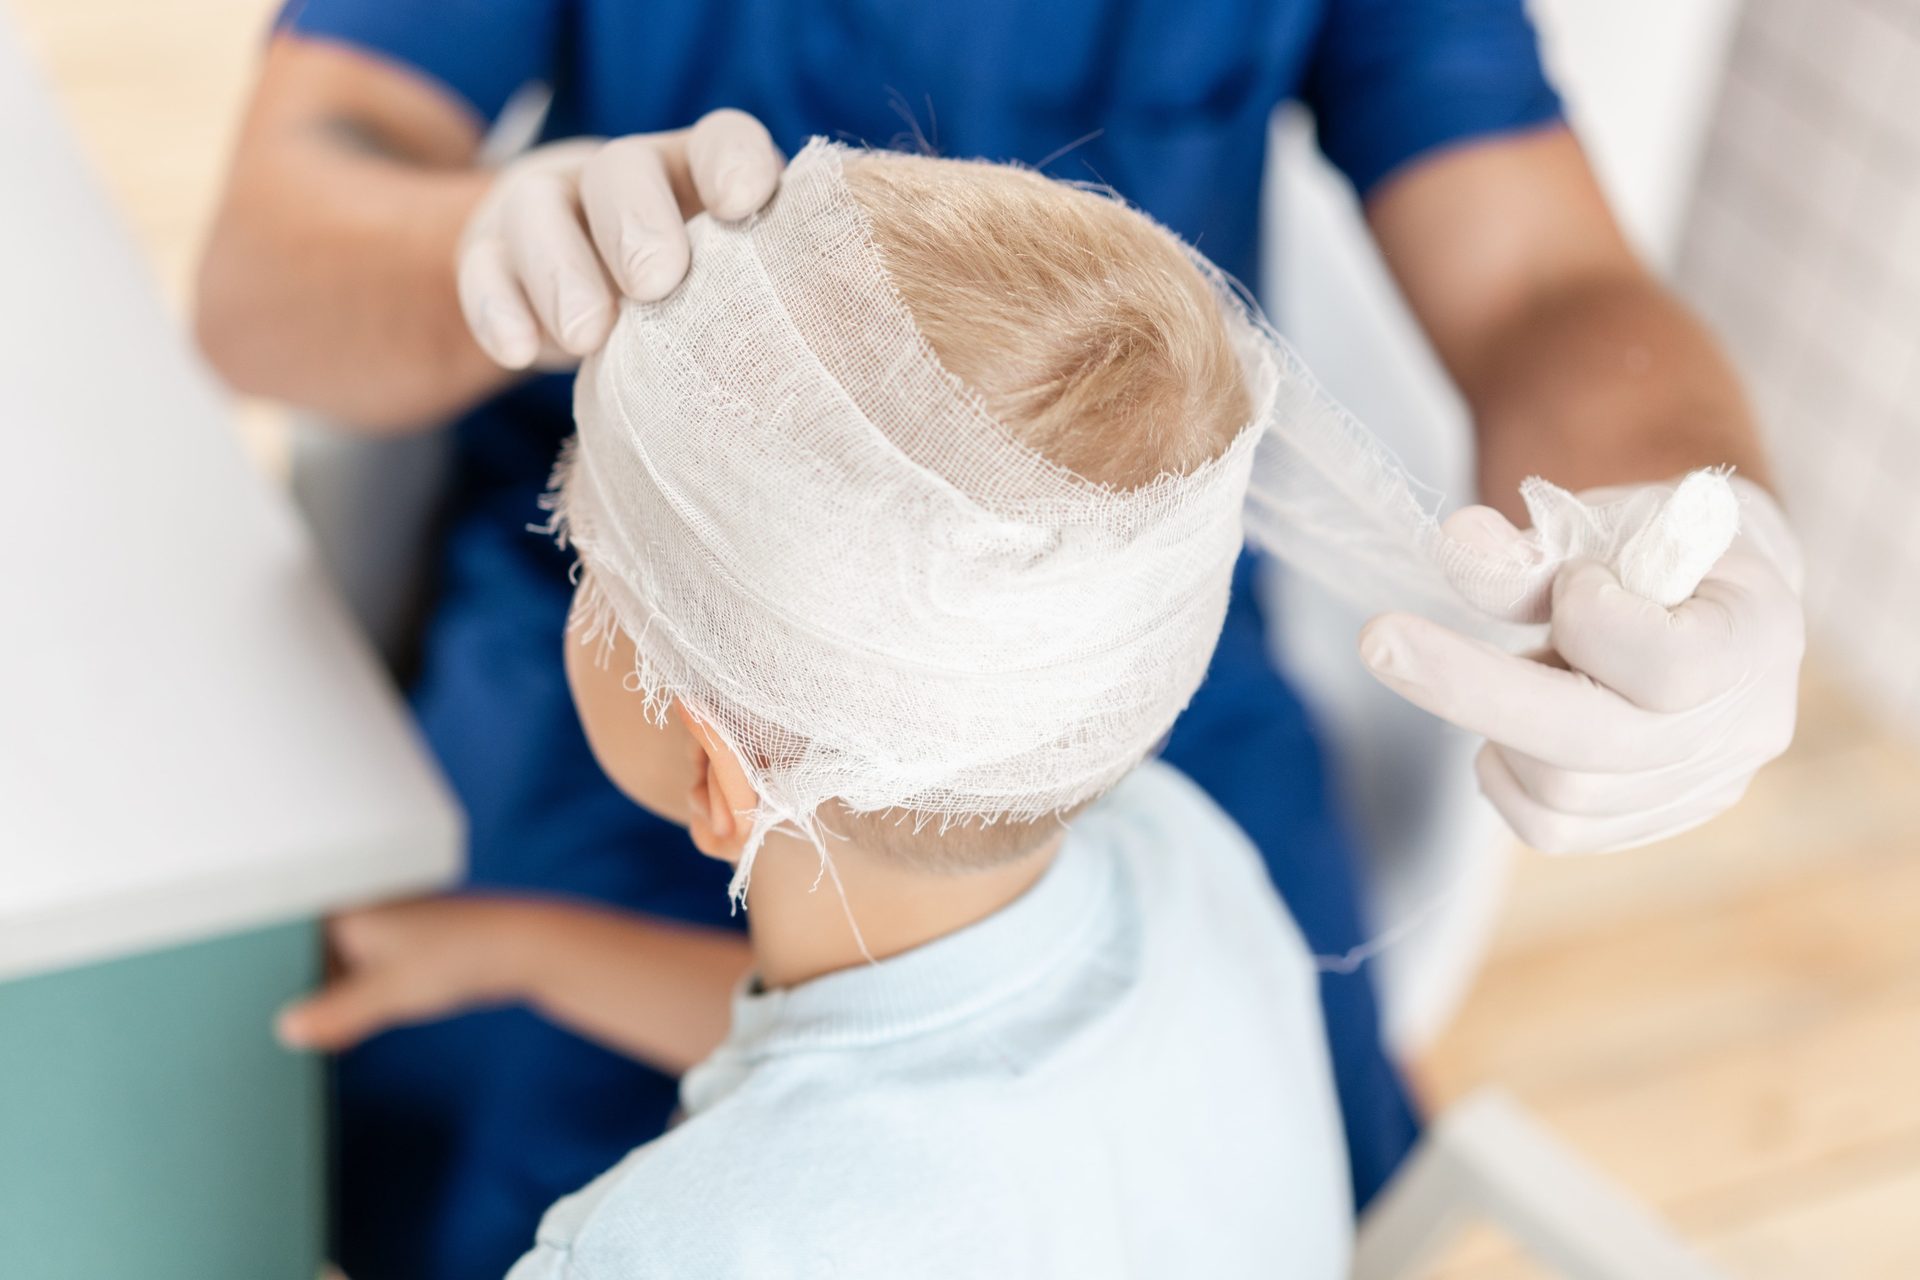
(800,929)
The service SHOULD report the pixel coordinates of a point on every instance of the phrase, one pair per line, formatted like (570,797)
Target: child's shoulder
(1196,872)
(755,1188)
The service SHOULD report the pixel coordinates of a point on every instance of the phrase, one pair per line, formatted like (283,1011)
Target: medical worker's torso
(454,1137)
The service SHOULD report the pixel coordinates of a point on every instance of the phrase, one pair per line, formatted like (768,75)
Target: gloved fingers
(734,162)
(1742,619)
(494,306)
(1485,529)
(556,262)
(1556,715)
(1661,659)
(1583,793)
(1493,548)
(1554,831)
(636,219)
(1757,596)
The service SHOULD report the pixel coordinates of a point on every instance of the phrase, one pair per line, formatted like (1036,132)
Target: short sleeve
(481,50)
(1390,80)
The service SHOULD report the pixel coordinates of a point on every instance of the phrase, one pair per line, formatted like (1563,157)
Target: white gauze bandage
(822,544)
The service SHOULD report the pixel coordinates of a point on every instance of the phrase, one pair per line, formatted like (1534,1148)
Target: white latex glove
(568,227)
(1640,722)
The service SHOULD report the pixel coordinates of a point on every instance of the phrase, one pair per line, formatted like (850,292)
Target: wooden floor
(1729,1024)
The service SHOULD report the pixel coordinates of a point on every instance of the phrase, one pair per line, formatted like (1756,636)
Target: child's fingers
(320,1022)
(345,1013)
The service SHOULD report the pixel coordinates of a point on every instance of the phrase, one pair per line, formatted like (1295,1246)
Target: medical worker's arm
(327,280)
(1579,366)
(657,991)
(359,249)
(1577,363)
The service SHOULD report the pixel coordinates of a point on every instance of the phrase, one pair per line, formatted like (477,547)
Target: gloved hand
(1640,722)
(568,227)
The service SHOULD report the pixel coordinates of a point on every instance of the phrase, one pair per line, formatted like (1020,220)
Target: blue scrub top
(454,1137)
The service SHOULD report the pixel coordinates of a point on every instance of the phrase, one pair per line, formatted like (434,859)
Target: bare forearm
(1578,365)
(656,991)
(333,289)
(328,279)
(1608,381)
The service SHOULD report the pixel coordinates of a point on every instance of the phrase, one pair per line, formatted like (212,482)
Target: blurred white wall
(1640,78)
(1804,251)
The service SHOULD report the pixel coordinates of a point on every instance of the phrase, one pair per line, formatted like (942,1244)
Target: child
(905,529)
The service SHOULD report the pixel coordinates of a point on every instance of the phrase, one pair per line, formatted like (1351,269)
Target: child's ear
(722,798)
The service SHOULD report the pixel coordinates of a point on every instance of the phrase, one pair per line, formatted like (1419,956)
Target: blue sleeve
(480,50)
(1390,80)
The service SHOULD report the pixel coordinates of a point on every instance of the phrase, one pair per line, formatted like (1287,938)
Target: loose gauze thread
(940,573)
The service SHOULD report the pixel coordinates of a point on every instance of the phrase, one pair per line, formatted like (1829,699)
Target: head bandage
(819,540)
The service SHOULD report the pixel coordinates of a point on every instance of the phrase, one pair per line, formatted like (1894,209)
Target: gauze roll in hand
(1674,639)
(1659,540)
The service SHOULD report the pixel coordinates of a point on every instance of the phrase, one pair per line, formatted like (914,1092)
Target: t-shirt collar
(941,982)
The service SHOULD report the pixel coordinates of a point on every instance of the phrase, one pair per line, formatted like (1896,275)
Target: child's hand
(652,989)
(412,962)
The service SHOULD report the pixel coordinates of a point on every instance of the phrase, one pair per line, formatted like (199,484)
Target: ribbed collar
(931,986)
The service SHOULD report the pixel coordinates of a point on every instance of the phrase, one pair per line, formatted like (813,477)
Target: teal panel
(151,1129)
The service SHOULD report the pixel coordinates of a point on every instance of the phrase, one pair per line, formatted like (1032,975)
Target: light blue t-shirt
(1121,1074)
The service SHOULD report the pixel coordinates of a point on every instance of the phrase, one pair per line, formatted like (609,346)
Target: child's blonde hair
(1083,327)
